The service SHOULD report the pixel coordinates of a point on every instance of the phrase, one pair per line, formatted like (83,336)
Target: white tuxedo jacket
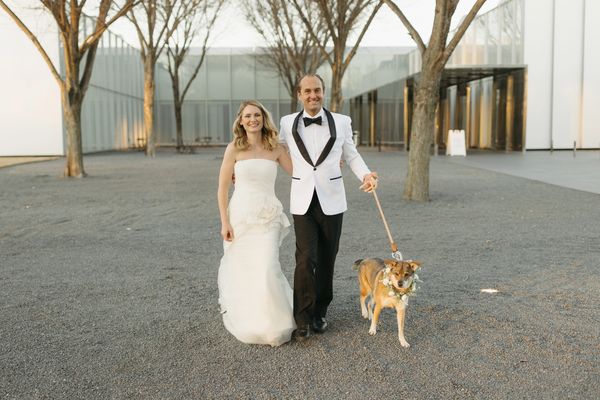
(321,171)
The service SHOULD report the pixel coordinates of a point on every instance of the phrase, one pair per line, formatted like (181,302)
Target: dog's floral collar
(399,293)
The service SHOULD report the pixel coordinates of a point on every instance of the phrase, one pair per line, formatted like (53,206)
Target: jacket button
(315,168)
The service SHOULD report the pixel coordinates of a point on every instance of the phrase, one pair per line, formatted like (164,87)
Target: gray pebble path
(108,288)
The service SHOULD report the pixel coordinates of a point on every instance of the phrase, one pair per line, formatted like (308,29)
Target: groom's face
(311,94)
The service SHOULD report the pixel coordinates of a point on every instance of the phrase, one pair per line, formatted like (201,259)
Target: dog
(387,283)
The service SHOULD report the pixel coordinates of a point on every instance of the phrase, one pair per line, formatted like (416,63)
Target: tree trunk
(72,115)
(177,106)
(335,101)
(179,124)
(423,127)
(294,103)
(149,87)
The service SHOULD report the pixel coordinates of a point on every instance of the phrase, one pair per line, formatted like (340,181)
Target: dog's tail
(356,264)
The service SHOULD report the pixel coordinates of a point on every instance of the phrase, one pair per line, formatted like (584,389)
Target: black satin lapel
(298,140)
(331,141)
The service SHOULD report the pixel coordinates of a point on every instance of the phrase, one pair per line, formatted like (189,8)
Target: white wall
(567,83)
(590,137)
(563,73)
(30,108)
(537,55)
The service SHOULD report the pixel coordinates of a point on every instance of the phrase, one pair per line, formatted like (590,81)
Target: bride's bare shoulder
(231,151)
(281,148)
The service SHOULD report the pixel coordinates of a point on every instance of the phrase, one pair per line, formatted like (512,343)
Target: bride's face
(252,119)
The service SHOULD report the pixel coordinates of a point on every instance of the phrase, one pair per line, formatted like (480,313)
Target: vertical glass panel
(518,31)
(480,40)
(363,127)
(219,122)
(242,67)
(166,132)
(507,15)
(285,108)
(219,85)
(202,122)
(271,106)
(267,83)
(493,38)
(190,129)
(284,93)
(198,90)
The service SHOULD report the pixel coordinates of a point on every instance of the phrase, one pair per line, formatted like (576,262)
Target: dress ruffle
(259,213)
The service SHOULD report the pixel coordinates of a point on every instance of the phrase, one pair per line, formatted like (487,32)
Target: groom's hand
(369,182)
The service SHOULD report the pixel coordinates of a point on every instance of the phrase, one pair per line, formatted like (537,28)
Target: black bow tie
(308,121)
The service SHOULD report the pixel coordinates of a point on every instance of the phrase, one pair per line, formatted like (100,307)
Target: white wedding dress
(254,295)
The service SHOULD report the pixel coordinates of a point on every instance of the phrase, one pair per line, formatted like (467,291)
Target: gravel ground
(108,288)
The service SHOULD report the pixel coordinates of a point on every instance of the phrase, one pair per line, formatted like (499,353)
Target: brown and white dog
(387,283)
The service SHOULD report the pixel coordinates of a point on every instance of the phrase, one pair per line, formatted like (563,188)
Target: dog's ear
(414,264)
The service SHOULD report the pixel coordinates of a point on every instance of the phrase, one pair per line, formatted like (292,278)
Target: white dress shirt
(314,136)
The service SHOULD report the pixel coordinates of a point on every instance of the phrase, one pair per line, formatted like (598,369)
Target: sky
(233,30)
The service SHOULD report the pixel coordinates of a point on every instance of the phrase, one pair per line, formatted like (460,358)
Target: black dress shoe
(301,333)
(319,325)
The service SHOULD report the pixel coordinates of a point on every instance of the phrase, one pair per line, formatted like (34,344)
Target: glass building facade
(482,89)
(226,78)
(526,75)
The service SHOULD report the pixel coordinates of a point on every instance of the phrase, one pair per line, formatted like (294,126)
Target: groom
(317,139)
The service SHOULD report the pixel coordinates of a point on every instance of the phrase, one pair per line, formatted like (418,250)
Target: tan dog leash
(395,252)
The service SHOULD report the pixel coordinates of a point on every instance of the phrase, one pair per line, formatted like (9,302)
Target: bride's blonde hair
(269,136)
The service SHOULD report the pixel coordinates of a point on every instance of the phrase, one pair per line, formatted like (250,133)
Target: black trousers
(317,243)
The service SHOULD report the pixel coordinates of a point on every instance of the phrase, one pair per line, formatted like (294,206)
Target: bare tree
(199,19)
(154,21)
(291,50)
(341,18)
(79,52)
(434,57)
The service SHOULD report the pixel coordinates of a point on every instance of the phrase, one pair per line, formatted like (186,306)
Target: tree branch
(102,26)
(411,29)
(310,30)
(462,29)
(360,37)
(204,48)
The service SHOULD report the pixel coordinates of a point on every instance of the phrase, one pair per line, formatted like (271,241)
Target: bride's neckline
(249,159)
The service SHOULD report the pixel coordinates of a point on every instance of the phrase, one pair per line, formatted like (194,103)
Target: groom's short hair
(306,76)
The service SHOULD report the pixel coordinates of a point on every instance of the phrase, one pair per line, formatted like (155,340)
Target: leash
(395,252)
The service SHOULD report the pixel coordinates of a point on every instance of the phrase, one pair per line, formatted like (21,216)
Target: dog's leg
(374,320)
(363,307)
(400,314)
(370,307)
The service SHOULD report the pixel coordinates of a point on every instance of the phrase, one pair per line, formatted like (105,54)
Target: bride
(254,295)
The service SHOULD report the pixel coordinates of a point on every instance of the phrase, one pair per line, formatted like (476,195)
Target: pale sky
(233,30)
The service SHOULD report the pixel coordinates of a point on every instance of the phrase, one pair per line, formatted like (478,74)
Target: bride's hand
(227,232)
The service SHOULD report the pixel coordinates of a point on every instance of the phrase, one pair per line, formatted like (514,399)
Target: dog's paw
(404,343)
(372,331)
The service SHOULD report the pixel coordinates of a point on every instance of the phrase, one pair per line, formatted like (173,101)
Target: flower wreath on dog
(399,293)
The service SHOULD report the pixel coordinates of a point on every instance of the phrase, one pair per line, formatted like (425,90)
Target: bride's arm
(225,175)
(284,159)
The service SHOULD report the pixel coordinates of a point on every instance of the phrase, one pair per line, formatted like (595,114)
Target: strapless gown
(254,296)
